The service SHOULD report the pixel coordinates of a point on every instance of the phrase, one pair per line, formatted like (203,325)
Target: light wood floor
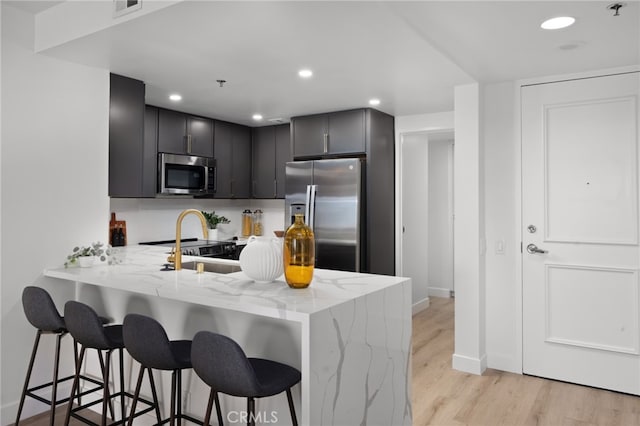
(443,396)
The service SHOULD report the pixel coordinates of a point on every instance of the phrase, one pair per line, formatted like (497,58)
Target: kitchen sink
(218,268)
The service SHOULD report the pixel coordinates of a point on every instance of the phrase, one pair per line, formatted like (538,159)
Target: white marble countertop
(139,272)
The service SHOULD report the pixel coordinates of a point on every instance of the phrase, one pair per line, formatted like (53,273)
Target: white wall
(440,192)
(469,243)
(54,153)
(501,211)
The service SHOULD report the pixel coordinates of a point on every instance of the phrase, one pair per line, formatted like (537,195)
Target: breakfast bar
(348,333)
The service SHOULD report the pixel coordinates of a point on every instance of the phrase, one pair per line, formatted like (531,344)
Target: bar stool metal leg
(154,394)
(74,387)
(54,390)
(105,380)
(294,420)
(122,392)
(251,411)
(136,394)
(29,370)
(178,395)
(172,415)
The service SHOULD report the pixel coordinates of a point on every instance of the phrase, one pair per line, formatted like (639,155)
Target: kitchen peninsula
(349,333)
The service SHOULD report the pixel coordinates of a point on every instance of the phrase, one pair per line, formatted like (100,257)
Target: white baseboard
(439,292)
(420,306)
(468,364)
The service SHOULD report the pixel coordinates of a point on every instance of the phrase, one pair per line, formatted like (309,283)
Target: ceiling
(410,55)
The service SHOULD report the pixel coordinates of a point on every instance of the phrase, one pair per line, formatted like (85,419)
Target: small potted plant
(85,256)
(213,220)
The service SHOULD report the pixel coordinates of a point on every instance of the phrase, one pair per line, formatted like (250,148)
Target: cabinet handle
(326,142)
(215,179)
(189,144)
(275,188)
(253,188)
(231,188)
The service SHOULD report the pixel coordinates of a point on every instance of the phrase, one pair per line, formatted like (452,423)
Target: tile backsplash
(155,219)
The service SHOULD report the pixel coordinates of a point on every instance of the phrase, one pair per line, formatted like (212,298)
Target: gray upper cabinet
(271,151)
(308,135)
(233,160)
(180,133)
(283,155)
(336,133)
(132,143)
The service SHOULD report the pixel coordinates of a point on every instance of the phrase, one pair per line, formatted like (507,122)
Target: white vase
(86,261)
(261,259)
(213,234)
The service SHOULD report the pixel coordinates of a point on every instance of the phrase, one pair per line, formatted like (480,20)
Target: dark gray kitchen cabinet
(180,133)
(331,134)
(232,150)
(132,140)
(270,151)
(283,155)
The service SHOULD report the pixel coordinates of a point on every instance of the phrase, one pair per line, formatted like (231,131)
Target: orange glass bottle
(299,254)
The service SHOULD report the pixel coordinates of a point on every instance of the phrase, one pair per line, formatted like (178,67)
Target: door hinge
(520,246)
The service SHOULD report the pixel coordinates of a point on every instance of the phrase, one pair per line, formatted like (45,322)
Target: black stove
(203,248)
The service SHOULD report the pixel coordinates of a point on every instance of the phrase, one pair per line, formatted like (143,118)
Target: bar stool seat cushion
(114,334)
(222,364)
(181,350)
(147,342)
(273,376)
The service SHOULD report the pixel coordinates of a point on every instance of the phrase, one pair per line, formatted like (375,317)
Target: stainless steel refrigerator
(330,194)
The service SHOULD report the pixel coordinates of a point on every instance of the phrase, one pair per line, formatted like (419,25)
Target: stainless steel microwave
(186,174)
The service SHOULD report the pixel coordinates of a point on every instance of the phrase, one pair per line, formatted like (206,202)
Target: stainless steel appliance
(186,174)
(203,248)
(330,195)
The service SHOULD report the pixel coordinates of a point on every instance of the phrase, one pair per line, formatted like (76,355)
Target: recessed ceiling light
(305,73)
(557,23)
(374,102)
(175,97)
(257,117)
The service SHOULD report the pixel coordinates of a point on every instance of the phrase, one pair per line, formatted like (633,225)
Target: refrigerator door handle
(307,205)
(311,205)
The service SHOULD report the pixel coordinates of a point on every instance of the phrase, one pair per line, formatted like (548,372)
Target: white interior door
(580,209)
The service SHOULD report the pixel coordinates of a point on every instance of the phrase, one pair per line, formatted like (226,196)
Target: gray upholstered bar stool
(147,342)
(222,364)
(42,313)
(86,328)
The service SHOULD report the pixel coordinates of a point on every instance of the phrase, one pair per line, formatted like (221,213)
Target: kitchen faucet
(205,234)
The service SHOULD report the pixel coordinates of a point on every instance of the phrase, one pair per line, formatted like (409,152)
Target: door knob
(533,249)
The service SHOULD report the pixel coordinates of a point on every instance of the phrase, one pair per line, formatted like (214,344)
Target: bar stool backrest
(222,364)
(85,325)
(40,310)
(147,342)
